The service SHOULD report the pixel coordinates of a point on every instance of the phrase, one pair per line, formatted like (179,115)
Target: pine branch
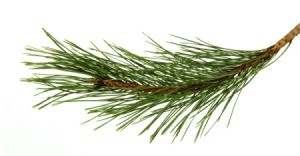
(173,91)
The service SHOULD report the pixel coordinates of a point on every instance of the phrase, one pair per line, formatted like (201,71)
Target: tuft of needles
(171,92)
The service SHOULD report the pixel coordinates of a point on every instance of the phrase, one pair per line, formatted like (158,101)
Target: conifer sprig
(171,92)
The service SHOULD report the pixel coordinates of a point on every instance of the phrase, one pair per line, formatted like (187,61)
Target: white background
(265,121)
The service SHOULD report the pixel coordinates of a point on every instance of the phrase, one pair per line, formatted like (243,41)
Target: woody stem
(267,54)
(285,40)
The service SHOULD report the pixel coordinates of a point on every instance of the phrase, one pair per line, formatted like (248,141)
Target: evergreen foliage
(171,91)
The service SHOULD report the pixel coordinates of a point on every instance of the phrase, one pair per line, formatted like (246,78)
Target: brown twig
(161,90)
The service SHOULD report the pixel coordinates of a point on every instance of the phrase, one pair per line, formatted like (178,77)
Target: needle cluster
(171,91)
